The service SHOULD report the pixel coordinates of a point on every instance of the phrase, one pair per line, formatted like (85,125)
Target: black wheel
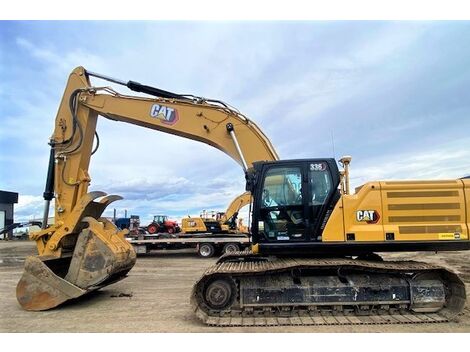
(220,294)
(206,250)
(231,247)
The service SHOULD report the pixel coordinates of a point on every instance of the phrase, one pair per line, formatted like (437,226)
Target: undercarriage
(243,289)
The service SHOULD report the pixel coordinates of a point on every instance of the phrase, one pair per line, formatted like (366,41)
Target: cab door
(322,195)
(282,215)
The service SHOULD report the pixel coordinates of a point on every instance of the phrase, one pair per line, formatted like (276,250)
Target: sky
(393,94)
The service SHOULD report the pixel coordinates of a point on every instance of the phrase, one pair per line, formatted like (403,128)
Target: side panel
(334,229)
(466,185)
(189,225)
(363,214)
(425,210)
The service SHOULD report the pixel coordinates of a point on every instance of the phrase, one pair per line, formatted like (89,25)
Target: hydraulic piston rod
(231,131)
(137,87)
(49,189)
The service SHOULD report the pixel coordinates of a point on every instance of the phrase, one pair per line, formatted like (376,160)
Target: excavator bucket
(96,262)
(101,256)
(41,288)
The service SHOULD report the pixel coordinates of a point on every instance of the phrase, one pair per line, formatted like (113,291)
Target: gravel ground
(160,286)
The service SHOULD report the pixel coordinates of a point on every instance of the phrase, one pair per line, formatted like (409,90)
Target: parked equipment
(207,222)
(132,224)
(218,222)
(161,224)
(313,242)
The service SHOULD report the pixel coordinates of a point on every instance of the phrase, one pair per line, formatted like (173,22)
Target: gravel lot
(160,285)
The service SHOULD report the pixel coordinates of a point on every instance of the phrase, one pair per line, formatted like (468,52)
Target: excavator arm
(83,251)
(234,207)
(237,204)
(209,122)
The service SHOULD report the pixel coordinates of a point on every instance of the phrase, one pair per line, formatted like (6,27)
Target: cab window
(282,186)
(319,182)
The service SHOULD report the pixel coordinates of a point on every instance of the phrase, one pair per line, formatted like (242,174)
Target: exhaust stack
(345,161)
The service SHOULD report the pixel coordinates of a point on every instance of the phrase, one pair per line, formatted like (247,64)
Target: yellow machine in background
(218,222)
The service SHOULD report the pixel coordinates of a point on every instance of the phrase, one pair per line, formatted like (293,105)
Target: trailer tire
(230,248)
(206,250)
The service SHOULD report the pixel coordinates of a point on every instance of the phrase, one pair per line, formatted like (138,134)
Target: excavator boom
(236,204)
(82,251)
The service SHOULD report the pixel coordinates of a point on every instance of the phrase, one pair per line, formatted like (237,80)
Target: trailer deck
(207,244)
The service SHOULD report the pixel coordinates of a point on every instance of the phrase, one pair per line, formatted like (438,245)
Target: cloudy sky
(394,95)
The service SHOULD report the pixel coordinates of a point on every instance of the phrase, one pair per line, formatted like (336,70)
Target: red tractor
(161,224)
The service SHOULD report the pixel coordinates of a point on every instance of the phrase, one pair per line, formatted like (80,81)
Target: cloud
(442,161)
(30,207)
(58,63)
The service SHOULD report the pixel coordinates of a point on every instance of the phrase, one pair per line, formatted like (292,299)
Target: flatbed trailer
(207,245)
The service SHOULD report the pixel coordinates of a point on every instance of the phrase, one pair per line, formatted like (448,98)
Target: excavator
(220,222)
(313,257)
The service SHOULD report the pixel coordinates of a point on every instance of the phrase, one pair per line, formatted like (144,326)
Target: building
(7,201)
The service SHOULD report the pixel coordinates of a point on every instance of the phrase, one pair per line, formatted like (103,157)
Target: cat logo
(369,216)
(164,113)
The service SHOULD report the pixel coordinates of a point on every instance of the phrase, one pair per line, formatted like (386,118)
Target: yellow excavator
(313,258)
(218,222)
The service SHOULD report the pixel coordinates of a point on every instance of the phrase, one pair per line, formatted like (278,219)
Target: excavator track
(262,296)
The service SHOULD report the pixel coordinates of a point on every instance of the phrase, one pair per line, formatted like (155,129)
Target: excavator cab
(291,199)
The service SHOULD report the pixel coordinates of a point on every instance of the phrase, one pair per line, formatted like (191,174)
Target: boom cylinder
(49,189)
(137,87)
(230,130)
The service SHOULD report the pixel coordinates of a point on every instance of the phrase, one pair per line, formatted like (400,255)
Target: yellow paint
(411,210)
(424,210)
(192,225)
(367,198)
(334,229)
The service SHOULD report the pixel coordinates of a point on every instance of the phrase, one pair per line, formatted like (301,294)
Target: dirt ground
(160,285)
